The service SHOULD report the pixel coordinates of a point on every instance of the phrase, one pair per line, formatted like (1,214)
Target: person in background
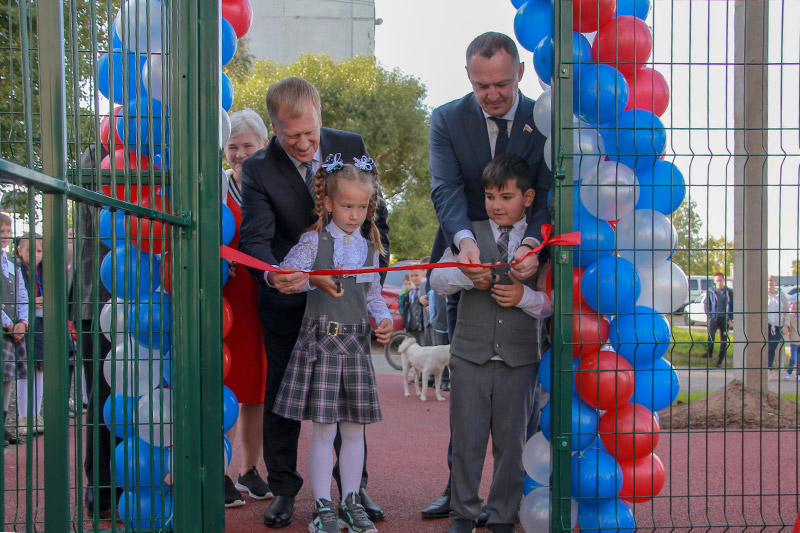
(794,340)
(719,310)
(25,245)
(778,322)
(14,317)
(402,298)
(415,310)
(248,371)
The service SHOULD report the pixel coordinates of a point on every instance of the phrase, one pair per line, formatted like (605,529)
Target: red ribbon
(565,239)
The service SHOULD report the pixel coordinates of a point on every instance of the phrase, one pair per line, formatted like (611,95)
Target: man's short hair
(290,96)
(504,168)
(489,43)
(718,274)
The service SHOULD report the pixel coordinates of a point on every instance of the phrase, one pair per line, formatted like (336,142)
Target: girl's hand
(326,284)
(232,269)
(508,295)
(19,330)
(384,331)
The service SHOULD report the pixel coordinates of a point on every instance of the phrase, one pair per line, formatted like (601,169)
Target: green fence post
(561,397)
(54,148)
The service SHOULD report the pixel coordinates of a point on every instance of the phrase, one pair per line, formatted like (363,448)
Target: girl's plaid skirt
(330,377)
(14,358)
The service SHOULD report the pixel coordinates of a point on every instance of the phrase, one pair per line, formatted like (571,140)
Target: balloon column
(623,279)
(133,75)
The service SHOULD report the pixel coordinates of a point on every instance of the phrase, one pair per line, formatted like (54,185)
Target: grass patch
(791,396)
(685,397)
(690,345)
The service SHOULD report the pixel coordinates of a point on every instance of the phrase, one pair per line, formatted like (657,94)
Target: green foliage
(383,106)
(699,255)
(413,225)
(242,62)
(795,267)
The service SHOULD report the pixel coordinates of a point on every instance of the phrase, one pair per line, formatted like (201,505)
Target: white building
(284,29)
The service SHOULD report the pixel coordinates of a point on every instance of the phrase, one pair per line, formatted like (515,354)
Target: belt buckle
(335,330)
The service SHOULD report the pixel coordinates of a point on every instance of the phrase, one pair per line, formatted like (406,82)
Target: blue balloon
(595,474)
(118,59)
(657,387)
(637,139)
(611,285)
(105,227)
(230,409)
(518,3)
(585,421)
(138,126)
(228,225)
(167,371)
(137,266)
(137,464)
(597,238)
(661,188)
(543,55)
(225,271)
(226,444)
(227,92)
(151,321)
(641,337)
(116,42)
(146,509)
(600,93)
(610,515)
(229,42)
(637,8)
(529,485)
(545,369)
(122,423)
(533,22)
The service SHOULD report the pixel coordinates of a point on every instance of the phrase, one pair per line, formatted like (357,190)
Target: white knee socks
(320,460)
(6,395)
(38,391)
(351,456)
(22,397)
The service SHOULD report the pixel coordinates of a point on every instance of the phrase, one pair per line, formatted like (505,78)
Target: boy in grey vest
(494,354)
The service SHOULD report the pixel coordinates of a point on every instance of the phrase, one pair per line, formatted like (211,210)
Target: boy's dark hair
(489,43)
(504,168)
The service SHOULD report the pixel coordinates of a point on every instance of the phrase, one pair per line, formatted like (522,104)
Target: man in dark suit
(277,207)
(465,135)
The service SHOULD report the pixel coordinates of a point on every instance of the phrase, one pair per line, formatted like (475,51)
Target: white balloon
(155,415)
(142,20)
(153,73)
(224,127)
(664,287)
(542,84)
(543,113)
(536,458)
(645,237)
(534,511)
(132,377)
(109,309)
(589,151)
(548,153)
(609,191)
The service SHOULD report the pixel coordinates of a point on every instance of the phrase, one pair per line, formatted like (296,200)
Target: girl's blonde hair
(326,184)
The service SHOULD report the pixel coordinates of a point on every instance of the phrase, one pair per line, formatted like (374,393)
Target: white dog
(425,360)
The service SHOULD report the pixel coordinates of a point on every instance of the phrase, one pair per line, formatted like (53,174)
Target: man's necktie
(502,243)
(309,178)
(501,145)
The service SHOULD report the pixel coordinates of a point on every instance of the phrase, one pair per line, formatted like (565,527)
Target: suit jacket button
(500,321)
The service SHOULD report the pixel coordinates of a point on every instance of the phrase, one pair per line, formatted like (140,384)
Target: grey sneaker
(252,483)
(353,516)
(324,518)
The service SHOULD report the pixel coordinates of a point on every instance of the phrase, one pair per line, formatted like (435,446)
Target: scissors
(500,274)
(338,280)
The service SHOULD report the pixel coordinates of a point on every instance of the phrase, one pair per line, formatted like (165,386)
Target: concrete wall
(283,29)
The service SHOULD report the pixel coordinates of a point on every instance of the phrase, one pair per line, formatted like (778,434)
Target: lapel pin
(527,128)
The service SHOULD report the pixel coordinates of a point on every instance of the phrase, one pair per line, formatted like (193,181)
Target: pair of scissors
(500,274)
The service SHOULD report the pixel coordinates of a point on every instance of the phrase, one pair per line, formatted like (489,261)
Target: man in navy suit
(277,207)
(465,135)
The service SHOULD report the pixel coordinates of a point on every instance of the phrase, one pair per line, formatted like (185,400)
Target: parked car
(695,312)
(793,293)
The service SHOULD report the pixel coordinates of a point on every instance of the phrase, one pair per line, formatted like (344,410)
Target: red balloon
(239,13)
(226,360)
(166,273)
(588,15)
(134,192)
(642,479)
(140,227)
(648,90)
(577,297)
(589,330)
(119,160)
(604,380)
(796,528)
(630,432)
(105,128)
(227,318)
(624,42)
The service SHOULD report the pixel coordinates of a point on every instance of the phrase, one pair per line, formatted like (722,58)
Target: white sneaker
(22,426)
(39,426)
(787,377)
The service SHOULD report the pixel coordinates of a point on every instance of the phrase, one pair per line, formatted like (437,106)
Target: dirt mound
(734,406)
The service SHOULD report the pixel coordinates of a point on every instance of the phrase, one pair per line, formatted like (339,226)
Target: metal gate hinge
(186,231)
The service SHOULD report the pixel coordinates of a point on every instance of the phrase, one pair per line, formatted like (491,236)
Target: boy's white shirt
(22,291)
(451,280)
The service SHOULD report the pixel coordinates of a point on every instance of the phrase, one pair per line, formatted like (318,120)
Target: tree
(795,267)
(690,253)
(720,255)
(383,106)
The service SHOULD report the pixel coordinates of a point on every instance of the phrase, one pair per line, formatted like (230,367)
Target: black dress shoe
(462,525)
(502,528)
(280,511)
(486,512)
(374,511)
(440,507)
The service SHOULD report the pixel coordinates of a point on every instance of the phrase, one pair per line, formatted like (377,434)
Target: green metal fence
(161,217)
(729,442)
